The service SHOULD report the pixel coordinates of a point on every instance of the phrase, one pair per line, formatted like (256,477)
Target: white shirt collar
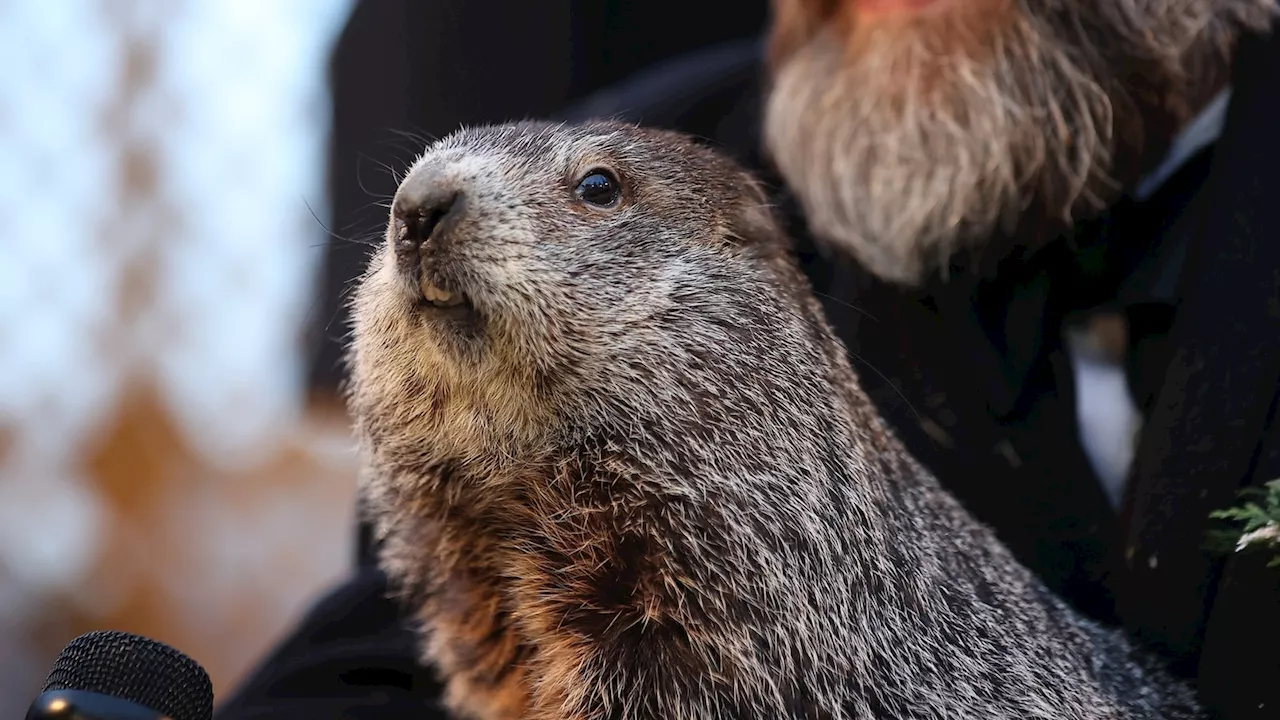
(1201,131)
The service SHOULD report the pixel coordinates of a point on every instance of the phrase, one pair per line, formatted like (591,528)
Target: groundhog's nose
(426,209)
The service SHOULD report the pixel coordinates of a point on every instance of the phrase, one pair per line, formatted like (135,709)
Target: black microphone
(110,675)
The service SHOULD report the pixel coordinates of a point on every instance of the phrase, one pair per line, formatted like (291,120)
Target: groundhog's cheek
(507,280)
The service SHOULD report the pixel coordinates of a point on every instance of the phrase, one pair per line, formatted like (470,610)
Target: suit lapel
(1205,430)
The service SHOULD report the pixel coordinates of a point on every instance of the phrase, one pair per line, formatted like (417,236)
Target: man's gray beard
(905,153)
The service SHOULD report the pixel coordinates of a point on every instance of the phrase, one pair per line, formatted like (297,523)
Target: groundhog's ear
(754,221)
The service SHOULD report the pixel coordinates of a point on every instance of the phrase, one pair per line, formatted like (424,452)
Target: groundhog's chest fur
(569,565)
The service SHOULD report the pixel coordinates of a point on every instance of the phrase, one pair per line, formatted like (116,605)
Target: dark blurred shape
(406,71)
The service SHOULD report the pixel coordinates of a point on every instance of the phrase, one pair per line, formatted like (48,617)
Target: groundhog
(621,467)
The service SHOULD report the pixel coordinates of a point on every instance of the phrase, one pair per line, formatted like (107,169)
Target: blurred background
(187,188)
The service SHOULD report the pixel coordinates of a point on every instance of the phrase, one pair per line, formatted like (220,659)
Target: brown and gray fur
(642,481)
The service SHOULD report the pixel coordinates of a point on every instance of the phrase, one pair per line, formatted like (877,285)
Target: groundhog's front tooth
(435,294)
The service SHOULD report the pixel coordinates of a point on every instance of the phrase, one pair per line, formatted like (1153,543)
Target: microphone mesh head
(137,669)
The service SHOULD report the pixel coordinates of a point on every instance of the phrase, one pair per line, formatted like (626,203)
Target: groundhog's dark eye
(599,188)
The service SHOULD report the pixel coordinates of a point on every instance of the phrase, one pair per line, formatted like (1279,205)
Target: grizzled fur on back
(641,481)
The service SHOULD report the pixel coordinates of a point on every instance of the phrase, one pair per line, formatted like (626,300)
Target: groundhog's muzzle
(426,212)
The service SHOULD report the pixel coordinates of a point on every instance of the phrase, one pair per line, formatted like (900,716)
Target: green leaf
(1259,508)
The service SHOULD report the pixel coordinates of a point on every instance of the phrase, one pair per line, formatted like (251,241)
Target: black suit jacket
(1197,269)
